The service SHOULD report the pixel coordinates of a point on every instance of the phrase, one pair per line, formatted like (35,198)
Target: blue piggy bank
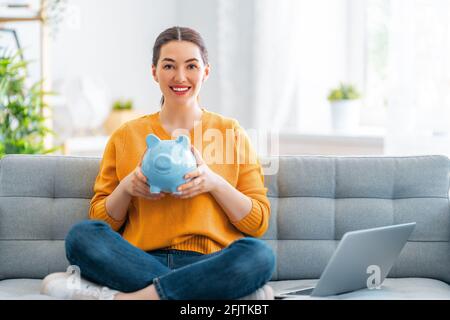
(166,162)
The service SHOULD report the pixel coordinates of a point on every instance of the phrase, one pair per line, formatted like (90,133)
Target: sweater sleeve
(251,183)
(107,181)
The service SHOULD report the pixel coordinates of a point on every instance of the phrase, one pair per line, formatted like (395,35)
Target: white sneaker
(64,286)
(263,293)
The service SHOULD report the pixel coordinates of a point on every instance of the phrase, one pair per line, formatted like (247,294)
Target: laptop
(362,259)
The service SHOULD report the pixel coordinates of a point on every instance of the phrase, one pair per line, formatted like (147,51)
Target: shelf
(20,13)
(367,136)
(365,141)
(93,146)
(20,19)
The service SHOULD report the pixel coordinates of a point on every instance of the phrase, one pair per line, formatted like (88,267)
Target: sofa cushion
(391,289)
(22,289)
(402,288)
(41,198)
(316,200)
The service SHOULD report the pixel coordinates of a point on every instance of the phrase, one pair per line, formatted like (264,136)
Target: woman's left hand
(203,179)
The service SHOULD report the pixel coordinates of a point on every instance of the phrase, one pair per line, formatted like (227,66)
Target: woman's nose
(180,76)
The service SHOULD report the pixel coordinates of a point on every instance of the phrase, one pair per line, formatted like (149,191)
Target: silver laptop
(362,259)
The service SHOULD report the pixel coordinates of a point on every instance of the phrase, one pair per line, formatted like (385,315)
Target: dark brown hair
(178,34)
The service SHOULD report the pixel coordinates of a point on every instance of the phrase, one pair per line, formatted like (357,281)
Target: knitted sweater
(196,224)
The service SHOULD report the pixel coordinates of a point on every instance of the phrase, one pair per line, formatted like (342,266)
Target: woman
(200,244)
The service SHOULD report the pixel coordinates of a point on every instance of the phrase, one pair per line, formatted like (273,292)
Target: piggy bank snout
(163,163)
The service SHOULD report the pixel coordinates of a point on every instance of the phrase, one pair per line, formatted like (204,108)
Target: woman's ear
(206,72)
(154,73)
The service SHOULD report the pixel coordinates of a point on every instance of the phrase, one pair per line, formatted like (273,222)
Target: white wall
(323,60)
(114,42)
(201,15)
(205,17)
(127,71)
(325,42)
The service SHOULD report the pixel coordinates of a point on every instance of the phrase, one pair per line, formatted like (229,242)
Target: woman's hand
(135,185)
(203,179)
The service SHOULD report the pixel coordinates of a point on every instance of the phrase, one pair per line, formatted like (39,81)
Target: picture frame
(9,42)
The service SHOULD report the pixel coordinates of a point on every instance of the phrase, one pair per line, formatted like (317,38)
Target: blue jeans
(104,257)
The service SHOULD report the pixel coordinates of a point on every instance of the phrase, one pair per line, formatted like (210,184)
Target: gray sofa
(315,200)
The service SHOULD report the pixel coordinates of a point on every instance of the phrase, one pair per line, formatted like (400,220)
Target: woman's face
(180,72)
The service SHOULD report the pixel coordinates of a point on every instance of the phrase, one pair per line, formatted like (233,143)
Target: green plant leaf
(123,105)
(344,92)
(22,124)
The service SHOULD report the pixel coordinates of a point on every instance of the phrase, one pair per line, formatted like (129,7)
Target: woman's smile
(180,90)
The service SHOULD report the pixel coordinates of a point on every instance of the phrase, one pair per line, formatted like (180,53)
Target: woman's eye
(167,67)
(192,66)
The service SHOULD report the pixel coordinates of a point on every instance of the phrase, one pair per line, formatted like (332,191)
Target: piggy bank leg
(155,190)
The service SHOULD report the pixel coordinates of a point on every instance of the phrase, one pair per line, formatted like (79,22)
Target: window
(376,62)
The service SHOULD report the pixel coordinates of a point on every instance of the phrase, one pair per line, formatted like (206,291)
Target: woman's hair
(178,34)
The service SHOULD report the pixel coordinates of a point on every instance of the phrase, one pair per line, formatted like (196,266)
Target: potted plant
(122,111)
(22,125)
(345,107)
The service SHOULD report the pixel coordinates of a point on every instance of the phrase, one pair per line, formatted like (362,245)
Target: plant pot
(345,115)
(117,118)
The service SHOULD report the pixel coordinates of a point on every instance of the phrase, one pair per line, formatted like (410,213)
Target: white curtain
(419,77)
(234,55)
(277,63)
(279,59)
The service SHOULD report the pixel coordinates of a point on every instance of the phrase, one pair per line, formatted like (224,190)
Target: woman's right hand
(135,185)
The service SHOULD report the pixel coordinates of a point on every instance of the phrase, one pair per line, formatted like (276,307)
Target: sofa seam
(334,198)
(337,240)
(10,156)
(394,188)
(269,196)
(37,197)
(52,213)
(360,157)
(262,239)
(378,198)
(31,240)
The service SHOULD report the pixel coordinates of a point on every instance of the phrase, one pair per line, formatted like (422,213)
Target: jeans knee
(79,236)
(260,253)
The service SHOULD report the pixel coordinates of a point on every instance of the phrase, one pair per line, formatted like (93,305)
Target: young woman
(200,244)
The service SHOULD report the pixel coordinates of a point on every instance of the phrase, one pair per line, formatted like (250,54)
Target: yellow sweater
(196,224)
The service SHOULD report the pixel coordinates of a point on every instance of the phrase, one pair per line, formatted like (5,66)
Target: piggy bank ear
(152,140)
(184,141)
